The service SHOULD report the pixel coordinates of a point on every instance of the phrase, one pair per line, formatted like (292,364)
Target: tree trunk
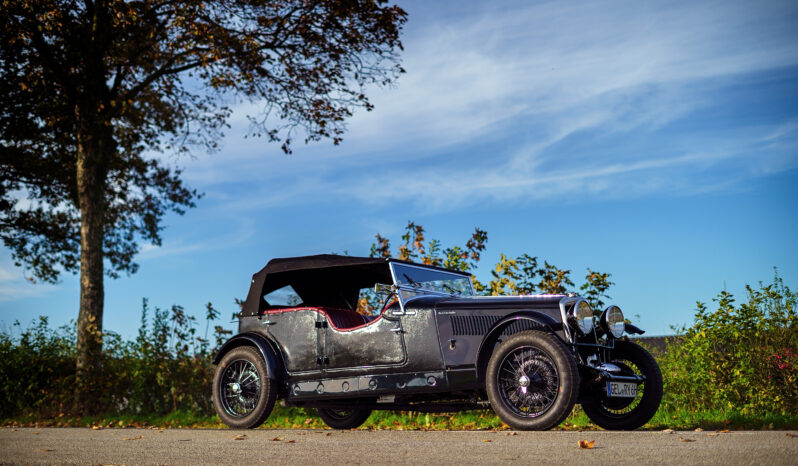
(91,185)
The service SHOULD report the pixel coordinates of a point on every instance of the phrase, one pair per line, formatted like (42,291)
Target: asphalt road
(190,446)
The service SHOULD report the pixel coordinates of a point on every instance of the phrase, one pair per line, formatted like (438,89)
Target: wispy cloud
(507,90)
(14,285)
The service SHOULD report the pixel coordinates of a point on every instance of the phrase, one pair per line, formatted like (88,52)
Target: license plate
(621,390)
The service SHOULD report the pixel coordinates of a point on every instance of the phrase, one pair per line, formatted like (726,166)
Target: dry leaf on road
(667,431)
(96,428)
(790,435)
(722,431)
(47,449)
(587,445)
(240,437)
(699,430)
(135,438)
(682,439)
(487,440)
(277,439)
(291,441)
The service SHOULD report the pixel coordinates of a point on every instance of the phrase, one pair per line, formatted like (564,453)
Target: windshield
(423,279)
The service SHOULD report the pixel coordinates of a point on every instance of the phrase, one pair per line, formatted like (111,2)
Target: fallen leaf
(240,437)
(790,435)
(699,430)
(587,445)
(47,449)
(291,441)
(328,434)
(277,439)
(487,440)
(682,439)
(668,431)
(135,438)
(713,434)
(96,428)
(722,431)
(512,433)
(184,440)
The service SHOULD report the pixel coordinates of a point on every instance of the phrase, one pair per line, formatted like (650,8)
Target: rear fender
(273,363)
(527,319)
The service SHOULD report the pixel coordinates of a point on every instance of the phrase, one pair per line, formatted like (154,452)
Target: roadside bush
(166,368)
(739,357)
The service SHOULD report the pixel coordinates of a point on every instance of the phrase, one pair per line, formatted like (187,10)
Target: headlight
(581,317)
(612,321)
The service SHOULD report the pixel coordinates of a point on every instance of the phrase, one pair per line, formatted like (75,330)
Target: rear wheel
(243,394)
(629,413)
(344,418)
(532,381)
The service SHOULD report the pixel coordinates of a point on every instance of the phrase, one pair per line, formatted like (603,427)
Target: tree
(90,89)
(510,276)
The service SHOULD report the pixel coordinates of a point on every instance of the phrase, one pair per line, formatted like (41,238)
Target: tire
(243,394)
(344,419)
(631,413)
(532,381)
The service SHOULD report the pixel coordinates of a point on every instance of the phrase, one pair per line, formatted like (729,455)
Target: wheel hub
(523,381)
(235,388)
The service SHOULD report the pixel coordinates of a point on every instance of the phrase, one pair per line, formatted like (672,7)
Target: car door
(377,343)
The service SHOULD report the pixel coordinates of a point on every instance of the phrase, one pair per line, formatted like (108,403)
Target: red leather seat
(344,318)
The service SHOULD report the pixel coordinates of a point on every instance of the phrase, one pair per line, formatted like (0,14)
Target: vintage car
(433,346)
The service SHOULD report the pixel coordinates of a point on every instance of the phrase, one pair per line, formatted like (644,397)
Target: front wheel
(243,394)
(629,413)
(532,381)
(344,419)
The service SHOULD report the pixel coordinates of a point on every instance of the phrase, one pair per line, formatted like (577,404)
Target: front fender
(524,320)
(273,362)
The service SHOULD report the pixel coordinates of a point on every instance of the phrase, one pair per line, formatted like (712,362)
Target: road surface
(197,446)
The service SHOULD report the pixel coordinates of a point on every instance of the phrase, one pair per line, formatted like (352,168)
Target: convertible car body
(431,345)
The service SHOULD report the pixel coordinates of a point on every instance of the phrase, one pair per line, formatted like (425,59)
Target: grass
(297,418)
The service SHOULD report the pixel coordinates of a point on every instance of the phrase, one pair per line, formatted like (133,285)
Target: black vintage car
(434,346)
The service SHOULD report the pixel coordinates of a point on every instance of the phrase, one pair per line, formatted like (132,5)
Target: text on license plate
(621,390)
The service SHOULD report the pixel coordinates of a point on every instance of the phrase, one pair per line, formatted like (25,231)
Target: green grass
(297,418)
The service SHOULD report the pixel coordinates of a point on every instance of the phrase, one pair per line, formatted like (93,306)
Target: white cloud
(527,78)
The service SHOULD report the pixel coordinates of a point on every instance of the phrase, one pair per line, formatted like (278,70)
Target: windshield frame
(425,291)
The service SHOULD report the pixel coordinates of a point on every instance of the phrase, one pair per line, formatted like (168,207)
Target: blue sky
(657,141)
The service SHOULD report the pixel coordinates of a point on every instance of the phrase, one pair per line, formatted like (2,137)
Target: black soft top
(324,280)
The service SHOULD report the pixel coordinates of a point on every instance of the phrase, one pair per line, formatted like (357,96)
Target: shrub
(739,357)
(165,369)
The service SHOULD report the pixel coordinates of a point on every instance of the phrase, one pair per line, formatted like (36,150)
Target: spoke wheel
(629,413)
(532,381)
(528,381)
(240,388)
(344,418)
(243,395)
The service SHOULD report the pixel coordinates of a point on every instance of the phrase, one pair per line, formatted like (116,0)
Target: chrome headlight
(612,321)
(581,317)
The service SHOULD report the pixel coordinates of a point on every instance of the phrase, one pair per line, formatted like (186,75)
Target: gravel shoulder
(196,446)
